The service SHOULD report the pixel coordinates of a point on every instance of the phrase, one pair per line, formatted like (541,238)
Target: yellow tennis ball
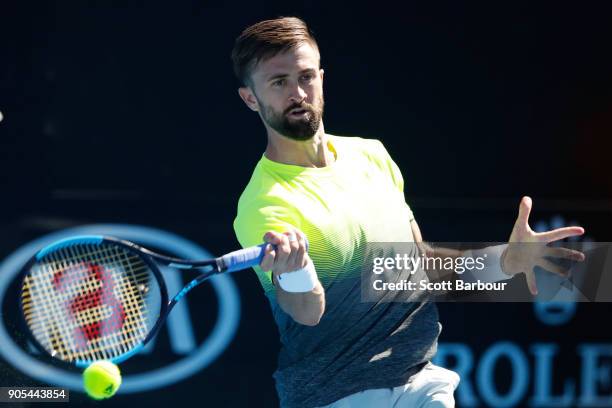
(101,380)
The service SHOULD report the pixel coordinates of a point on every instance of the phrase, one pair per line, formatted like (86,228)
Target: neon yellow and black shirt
(341,207)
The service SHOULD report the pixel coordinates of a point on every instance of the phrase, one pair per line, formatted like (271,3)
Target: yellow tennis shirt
(357,199)
(357,345)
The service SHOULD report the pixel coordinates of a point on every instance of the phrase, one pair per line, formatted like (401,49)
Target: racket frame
(151,259)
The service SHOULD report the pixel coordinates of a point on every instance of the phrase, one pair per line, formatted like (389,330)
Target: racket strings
(126,338)
(56,269)
(88,302)
(88,311)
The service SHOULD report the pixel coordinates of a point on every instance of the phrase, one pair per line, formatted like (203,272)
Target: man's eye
(307,77)
(279,82)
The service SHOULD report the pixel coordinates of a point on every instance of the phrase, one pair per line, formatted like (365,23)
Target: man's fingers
(279,253)
(301,255)
(283,250)
(552,267)
(565,253)
(273,238)
(268,260)
(531,282)
(294,246)
(560,233)
(524,211)
(289,252)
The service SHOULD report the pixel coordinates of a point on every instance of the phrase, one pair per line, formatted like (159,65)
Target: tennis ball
(101,380)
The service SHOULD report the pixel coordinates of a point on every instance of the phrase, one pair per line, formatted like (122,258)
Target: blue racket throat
(179,266)
(186,290)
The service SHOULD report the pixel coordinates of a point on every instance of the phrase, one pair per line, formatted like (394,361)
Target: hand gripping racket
(90,298)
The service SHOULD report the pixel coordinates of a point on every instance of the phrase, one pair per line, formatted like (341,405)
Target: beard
(301,129)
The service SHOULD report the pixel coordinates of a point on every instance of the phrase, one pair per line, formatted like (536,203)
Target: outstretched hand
(524,258)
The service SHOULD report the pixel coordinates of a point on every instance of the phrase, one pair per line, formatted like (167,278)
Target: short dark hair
(266,39)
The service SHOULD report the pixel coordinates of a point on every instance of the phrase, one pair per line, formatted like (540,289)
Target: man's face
(287,91)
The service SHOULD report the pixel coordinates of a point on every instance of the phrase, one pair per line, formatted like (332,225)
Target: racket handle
(243,258)
(246,258)
(302,280)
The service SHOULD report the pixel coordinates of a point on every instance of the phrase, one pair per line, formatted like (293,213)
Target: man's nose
(297,94)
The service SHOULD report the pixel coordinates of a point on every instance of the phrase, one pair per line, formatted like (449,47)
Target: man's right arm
(288,255)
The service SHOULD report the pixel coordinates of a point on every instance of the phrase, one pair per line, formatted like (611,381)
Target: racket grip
(243,258)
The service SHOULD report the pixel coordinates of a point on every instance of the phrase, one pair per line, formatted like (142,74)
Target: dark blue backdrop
(129,114)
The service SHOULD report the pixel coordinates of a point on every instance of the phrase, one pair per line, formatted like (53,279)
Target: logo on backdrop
(195,356)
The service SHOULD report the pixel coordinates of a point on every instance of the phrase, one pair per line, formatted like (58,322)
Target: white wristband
(302,280)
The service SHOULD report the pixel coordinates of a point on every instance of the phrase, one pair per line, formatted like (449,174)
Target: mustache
(303,105)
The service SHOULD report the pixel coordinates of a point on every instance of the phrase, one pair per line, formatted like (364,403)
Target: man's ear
(247,95)
(321,72)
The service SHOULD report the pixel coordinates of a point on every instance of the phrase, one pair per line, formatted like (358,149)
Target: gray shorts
(432,387)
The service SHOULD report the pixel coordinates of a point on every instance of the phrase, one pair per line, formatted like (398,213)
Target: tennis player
(339,192)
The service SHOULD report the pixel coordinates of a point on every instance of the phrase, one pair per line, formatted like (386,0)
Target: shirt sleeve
(254,221)
(394,172)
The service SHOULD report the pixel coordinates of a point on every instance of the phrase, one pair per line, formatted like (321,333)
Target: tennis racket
(90,298)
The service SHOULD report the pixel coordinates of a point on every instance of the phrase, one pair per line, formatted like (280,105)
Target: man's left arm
(432,252)
(513,259)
